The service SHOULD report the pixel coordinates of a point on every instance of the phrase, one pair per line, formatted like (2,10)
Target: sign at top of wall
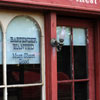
(90,5)
(87,1)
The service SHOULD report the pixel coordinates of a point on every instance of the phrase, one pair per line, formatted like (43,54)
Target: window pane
(65,91)
(80,64)
(25,93)
(63,57)
(79,37)
(81,91)
(1,53)
(67,34)
(1,75)
(80,53)
(23,51)
(1,94)
(23,41)
(63,64)
(23,74)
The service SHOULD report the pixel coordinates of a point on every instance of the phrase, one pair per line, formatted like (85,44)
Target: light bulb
(62,34)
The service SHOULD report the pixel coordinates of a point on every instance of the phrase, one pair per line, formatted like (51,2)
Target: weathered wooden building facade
(49,49)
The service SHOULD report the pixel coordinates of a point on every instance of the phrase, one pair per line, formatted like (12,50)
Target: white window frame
(5,18)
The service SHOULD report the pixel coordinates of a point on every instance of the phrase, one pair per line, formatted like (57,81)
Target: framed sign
(23,41)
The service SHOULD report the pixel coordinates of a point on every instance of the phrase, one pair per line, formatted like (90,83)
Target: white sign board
(23,42)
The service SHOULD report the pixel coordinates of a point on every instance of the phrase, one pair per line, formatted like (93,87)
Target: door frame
(51,21)
(81,23)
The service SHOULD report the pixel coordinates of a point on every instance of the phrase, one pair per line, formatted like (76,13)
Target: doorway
(75,64)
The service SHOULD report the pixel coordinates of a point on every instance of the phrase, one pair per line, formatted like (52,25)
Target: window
(22,64)
(73,65)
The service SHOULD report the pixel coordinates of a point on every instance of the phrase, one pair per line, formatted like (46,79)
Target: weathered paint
(91,5)
(97,59)
(51,57)
(88,25)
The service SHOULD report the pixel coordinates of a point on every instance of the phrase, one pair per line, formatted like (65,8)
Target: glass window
(72,65)
(80,53)
(81,91)
(1,67)
(21,75)
(1,94)
(23,51)
(65,91)
(25,93)
(64,56)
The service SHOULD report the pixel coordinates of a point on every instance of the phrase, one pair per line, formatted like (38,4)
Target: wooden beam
(51,57)
(27,5)
(97,59)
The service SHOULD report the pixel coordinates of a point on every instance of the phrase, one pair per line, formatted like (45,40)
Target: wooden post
(51,57)
(97,59)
